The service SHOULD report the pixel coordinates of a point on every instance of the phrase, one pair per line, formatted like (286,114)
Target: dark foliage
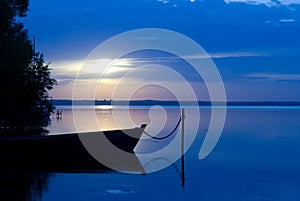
(24,79)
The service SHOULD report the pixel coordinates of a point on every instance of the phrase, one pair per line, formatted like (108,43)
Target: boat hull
(61,152)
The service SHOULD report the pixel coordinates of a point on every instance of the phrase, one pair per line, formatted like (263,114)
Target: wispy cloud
(253,2)
(289,2)
(61,82)
(93,69)
(218,55)
(163,1)
(287,20)
(268,3)
(291,78)
(281,21)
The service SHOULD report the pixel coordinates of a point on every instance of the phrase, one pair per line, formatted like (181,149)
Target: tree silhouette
(24,79)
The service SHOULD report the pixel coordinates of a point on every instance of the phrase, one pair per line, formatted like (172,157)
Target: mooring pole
(182,148)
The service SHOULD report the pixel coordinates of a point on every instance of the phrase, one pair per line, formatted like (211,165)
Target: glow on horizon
(65,72)
(244,87)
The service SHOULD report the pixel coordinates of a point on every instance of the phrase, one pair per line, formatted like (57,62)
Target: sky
(255,44)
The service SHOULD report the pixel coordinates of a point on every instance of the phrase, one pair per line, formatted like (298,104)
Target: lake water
(256,158)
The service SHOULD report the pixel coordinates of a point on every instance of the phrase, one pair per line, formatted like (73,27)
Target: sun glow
(103,107)
(122,62)
(113,69)
(119,65)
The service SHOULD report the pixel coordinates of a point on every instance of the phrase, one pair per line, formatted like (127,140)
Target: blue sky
(254,43)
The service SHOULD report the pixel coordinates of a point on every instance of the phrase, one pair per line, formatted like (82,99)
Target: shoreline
(170,103)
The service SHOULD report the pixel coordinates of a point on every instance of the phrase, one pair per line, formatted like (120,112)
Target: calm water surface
(256,158)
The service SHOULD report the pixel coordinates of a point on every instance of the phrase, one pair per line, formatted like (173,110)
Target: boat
(63,152)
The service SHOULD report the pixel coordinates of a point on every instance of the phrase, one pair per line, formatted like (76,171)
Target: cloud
(281,21)
(287,20)
(268,3)
(253,2)
(213,55)
(219,55)
(291,78)
(289,2)
(163,1)
(64,76)
(68,70)
(176,2)
(64,82)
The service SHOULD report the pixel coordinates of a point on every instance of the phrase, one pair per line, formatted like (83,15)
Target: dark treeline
(25,78)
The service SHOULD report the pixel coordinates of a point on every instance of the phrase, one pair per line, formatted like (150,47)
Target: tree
(25,78)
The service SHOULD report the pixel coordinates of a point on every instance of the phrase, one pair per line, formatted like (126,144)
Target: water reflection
(255,159)
(159,124)
(111,119)
(23,186)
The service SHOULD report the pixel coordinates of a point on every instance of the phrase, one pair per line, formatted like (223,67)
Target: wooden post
(182,148)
